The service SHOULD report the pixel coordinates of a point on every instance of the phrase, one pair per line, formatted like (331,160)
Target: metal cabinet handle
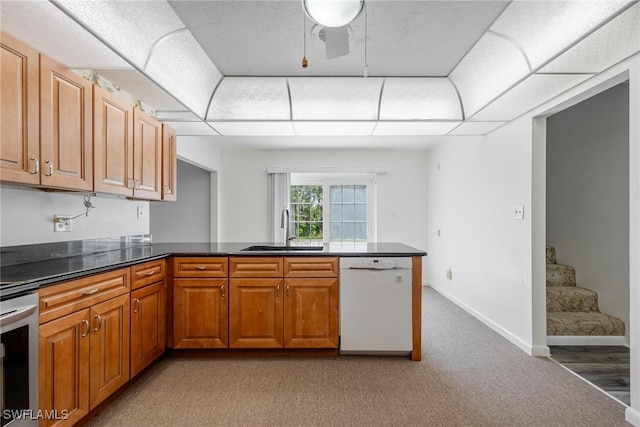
(99,318)
(36,166)
(50,166)
(130,184)
(138,305)
(222,291)
(91,292)
(201,267)
(278,290)
(288,291)
(151,273)
(166,189)
(87,328)
(137,186)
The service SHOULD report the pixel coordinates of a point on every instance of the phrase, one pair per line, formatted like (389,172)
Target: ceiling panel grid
(419,99)
(250,98)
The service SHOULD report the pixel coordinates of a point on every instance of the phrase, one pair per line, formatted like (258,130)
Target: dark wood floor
(606,367)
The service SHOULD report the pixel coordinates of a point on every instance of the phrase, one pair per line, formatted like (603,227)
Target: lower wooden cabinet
(255,313)
(200,313)
(311,313)
(289,313)
(84,357)
(148,315)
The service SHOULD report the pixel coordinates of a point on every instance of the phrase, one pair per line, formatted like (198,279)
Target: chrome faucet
(284,223)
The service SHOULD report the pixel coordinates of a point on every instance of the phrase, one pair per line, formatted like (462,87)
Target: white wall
(26,216)
(401,192)
(588,195)
(189,218)
(474,185)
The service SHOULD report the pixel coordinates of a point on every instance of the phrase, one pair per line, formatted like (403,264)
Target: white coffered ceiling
(231,71)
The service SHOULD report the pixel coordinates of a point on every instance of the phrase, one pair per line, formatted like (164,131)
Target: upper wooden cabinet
(46,121)
(19,112)
(66,140)
(127,149)
(147,156)
(169,164)
(113,144)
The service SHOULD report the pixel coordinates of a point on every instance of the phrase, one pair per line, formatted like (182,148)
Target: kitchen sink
(269,248)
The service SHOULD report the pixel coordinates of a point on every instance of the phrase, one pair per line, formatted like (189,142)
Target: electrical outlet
(61,223)
(518,212)
(141,212)
(449,273)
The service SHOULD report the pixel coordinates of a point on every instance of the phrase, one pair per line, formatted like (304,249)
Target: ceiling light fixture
(333,13)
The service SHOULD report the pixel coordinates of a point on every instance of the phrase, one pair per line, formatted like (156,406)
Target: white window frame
(328,179)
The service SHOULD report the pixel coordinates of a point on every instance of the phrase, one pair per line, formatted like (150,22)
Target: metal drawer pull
(151,273)
(201,267)
(87,327)
(222,291)
(91,292)
(97,316)
(36,165)
(278,290)
(138,305)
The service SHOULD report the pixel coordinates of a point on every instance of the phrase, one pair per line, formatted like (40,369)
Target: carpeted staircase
(572,310)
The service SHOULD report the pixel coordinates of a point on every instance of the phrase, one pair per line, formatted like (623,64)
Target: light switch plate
(61,223)
(141,213)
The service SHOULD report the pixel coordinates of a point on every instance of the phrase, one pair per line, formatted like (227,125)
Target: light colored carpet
(469,376)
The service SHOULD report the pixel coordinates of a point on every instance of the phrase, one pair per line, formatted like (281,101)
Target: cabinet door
(147,163)
(66,120)
(109,348)
(200,313)
(169,164)
(147,326)
(255,313)
(19,112)
(112,144)
(64,367)
(311,313)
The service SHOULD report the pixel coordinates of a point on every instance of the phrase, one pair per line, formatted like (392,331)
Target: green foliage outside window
(306,210)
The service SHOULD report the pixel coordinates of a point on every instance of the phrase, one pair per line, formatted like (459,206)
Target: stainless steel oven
(19,361)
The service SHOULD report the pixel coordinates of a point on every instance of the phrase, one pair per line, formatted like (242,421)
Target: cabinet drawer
(311,267)
(147,273)
(255,267)
(65,298)
(200,267)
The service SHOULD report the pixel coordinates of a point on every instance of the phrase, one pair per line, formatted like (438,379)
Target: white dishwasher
(375,306)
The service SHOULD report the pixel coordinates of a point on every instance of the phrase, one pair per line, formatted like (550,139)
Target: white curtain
(279,191)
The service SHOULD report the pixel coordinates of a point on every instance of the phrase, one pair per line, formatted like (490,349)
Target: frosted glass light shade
(419,99)
(250,98)
(609,45)
(254,128)
(337,98)
(181,67)
(333,128)
(556,23)
(490,68)
(532,92)
(333,13)
(414,128)
(132,27)
(476,128)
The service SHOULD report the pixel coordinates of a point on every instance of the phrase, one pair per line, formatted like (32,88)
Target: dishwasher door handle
(374,268)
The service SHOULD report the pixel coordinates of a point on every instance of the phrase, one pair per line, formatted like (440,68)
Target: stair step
(571,299)
(551,255)
(584,324)
(560,275)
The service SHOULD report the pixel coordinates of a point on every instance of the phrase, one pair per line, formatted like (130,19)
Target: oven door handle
(14,316)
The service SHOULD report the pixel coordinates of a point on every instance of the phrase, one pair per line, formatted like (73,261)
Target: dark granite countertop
(46,264)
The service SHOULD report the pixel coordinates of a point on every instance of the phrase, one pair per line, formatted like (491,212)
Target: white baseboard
(584,340)
(538,351)
(632,416)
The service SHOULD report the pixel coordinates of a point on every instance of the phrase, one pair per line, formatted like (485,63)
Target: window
(332,209)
